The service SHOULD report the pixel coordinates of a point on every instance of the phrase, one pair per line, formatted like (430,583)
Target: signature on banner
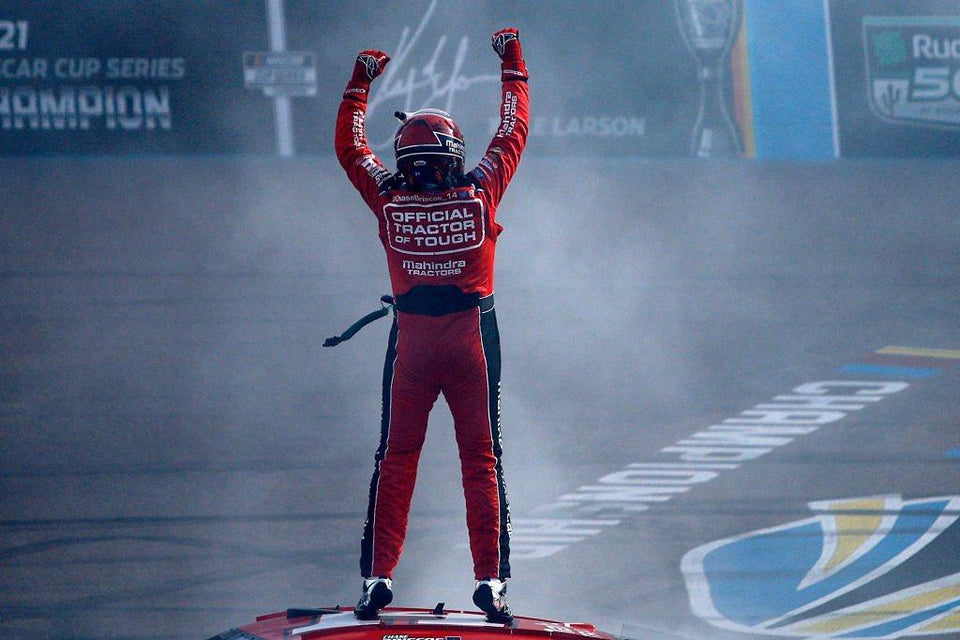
(429,85)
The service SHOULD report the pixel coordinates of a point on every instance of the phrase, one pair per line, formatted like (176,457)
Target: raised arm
(363,167)
(499,163)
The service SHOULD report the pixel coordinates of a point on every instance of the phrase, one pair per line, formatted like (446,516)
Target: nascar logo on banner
(287,73)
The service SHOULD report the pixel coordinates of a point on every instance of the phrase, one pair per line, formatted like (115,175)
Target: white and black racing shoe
(377,593)
(490,595)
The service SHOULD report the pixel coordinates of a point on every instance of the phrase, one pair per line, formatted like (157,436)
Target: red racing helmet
(429,148)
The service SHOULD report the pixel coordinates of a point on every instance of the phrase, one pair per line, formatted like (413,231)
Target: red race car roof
(405,624)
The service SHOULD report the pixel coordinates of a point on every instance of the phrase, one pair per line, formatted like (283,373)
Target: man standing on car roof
(438,227)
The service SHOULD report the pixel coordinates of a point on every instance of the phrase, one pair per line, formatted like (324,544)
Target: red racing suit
(440,249)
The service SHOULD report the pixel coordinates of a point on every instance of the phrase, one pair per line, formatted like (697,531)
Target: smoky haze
(168,409)
(180,454)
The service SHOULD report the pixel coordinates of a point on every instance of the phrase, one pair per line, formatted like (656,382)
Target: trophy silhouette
(709,28)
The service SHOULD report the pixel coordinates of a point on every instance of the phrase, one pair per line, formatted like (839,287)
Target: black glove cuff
(513,70)
(357,90)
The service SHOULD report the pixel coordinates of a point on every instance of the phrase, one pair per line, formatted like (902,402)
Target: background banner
(129,77)
(897,76)
(121,77)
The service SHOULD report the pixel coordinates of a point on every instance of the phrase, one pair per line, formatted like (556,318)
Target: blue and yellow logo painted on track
(873,567)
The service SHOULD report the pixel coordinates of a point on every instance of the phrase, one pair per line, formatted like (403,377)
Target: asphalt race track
(731,398)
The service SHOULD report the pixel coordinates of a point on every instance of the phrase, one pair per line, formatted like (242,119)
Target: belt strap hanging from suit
(387,306)
(428,301)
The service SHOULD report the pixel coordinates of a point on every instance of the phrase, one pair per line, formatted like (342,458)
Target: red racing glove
(370,64)
(506,42)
